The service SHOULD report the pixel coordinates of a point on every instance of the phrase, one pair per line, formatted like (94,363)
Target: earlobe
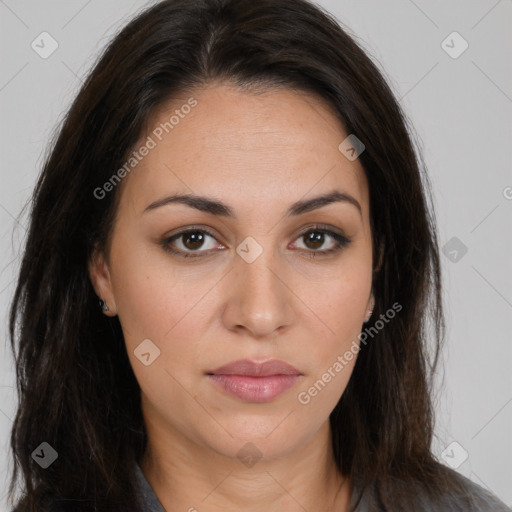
(99,274)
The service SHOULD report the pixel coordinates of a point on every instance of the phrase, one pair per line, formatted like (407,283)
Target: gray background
(461,110)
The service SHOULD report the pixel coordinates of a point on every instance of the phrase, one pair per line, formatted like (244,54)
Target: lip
(254,381)
(256,368)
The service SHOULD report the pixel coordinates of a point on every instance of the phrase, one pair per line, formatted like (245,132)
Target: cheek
(341,301)
(341,306)
(166,305)
(151,295)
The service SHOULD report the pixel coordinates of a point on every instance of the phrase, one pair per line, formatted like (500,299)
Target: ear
(382,246)
(99,275)
(369,307)
(371,300)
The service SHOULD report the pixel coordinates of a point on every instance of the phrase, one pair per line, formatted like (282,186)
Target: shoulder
(480,498)
(460,494)
(446,491)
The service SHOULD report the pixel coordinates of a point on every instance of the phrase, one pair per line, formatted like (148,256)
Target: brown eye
(193,240)
(193,243)
(315,238)
(190,241)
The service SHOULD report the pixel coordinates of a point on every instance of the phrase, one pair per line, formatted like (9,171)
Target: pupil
(196,239)
(316,238)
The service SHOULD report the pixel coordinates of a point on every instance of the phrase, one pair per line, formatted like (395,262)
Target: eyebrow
(215,207)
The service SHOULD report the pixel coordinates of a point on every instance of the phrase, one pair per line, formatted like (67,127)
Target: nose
(260,300)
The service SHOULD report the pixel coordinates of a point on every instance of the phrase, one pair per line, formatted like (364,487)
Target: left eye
(315,238)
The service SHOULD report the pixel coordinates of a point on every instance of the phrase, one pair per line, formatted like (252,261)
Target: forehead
(275,146)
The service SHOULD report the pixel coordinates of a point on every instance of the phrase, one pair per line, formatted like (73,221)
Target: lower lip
(254,389)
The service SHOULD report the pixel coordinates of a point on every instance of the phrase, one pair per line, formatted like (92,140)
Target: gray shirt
(484,501)
(146,493)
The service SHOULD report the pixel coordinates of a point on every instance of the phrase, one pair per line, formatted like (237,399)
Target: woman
(235,186)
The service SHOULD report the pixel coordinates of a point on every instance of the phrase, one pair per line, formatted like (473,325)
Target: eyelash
(341,242)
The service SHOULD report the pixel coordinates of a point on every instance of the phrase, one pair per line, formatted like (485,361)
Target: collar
(148,498)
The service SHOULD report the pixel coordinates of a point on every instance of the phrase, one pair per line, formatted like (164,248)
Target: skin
(258,153)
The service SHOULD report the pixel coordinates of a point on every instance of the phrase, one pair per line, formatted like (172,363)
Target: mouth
(253,381)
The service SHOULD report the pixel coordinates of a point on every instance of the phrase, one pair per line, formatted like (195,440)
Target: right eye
(189,242)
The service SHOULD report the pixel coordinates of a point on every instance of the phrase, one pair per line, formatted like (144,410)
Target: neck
(188,476)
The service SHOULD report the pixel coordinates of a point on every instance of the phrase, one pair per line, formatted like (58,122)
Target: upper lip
(256,368)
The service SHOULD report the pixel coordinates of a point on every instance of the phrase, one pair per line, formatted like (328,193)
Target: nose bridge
(257,267)
(261,272)
(260,299)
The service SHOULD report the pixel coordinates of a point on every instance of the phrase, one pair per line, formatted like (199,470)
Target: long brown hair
(76,388)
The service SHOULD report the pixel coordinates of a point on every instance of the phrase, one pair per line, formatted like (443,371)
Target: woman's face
(259,282)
